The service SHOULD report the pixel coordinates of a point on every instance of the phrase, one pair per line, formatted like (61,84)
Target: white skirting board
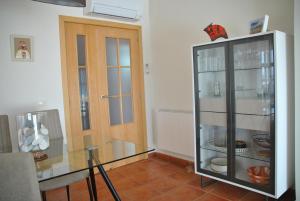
(175,133)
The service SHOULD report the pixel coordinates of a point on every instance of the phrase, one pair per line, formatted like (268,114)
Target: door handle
(104,96)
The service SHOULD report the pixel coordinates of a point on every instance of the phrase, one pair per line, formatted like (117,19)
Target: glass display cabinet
(243,112)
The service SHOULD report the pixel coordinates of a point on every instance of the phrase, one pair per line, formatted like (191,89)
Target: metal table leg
(93,156)
(108,183)
(92,175)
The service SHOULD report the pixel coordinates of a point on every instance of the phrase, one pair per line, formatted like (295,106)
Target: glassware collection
(211,60)
(259,57)
(252,55)
(253,80)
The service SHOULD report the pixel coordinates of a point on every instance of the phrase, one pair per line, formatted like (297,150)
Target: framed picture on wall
(259,25)
(21,48)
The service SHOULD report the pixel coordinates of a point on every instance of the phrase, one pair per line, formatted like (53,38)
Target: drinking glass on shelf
(219,62)
(239,57)
(235,59)
(252,56)
(247,61)
(267,56)
(256,55)
(215,63)
(199,61)
(259,90)
(200,58)
(223,61)
(205,60)
(210,60)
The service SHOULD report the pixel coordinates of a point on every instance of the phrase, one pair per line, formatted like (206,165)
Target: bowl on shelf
(264,153)
(262,140)
(219,164)
(259,174)
(240,144)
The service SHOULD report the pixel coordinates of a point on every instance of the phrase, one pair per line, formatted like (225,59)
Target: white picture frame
(21,48)
(259,25)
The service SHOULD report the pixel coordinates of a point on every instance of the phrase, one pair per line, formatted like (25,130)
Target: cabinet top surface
(238,38)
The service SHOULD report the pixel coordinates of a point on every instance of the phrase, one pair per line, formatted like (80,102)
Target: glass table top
(61,162)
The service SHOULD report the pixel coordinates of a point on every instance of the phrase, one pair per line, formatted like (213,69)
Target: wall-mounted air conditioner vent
(95,8)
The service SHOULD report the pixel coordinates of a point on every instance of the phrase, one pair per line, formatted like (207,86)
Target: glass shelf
(250,153)
(212,112)
(242,90)
(213,71)
(259,115)
(214,148)
(271,65)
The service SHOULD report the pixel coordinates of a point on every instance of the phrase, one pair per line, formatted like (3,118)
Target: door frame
(64,71)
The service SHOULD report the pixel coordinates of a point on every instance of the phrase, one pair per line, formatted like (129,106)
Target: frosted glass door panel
(81,50)
(119,81)
(115,111)
(111,52)
(127,109)
(126,80)
(113,82)
(124,52)
(85,119)
(83,84)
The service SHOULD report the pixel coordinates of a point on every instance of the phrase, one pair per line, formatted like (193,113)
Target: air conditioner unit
(95,8)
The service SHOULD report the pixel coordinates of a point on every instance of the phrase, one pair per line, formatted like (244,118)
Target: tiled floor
(157,180)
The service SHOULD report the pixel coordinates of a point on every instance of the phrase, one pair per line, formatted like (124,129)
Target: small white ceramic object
(28,131)
(44,131)
(20,137)
(35,148)
(43,144)
(25,148)
(20,132)
(28,140)
(219,164)
(37,141)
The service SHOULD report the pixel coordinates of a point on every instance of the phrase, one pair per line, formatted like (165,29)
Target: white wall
(297,94)
(24,84)
(177,24)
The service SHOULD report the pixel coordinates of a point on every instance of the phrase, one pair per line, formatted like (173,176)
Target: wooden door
(105,88)
(81,77)
(120,86)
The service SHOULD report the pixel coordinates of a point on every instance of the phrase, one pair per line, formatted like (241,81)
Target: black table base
(104,176)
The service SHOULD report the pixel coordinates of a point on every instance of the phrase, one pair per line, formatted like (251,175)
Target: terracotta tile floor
(157,180)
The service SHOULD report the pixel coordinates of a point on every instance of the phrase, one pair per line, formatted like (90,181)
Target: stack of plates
(219,164)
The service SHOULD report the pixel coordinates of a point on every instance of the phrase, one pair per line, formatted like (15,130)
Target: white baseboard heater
(175,133)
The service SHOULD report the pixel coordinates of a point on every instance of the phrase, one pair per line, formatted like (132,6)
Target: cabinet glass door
(253,112)
(211,110)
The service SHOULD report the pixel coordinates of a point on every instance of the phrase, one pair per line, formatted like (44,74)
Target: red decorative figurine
(215,31)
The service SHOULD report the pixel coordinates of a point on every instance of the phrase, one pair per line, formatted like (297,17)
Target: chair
(5,141)
(55,132)
(18,178)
